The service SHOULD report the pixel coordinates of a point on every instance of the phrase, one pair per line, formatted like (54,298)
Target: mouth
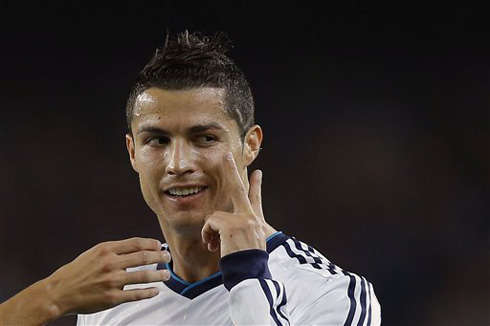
(182,192)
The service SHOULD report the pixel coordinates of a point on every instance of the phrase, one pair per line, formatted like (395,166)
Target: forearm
(32,306)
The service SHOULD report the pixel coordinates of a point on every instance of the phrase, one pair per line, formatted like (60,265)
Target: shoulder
(315,285)
(290,257)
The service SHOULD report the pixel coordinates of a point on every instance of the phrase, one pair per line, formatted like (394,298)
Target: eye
(158,141)
(206,139)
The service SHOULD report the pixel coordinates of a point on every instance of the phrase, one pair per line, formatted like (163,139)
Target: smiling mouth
(181,192)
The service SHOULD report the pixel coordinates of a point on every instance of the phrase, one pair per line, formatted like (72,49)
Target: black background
(376,122)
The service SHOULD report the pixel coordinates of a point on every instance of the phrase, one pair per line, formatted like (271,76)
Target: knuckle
(109,281)
(246,220)
(138,243)
(248,224)
(211,217)
(102,249)
(145,257)
(145,277)
(157,244)
(111,297)
(138,295)
(108,265)
(251,223)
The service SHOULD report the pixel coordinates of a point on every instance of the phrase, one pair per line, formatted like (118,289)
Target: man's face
(179,142)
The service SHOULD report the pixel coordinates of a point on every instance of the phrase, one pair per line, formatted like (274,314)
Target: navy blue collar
(192,290)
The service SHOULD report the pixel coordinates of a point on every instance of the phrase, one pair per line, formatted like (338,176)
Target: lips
(184,191)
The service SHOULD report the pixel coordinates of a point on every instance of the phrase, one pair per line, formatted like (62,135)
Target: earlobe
(253,140)
(131,151)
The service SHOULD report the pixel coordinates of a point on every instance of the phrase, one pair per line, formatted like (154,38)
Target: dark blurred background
(376,151)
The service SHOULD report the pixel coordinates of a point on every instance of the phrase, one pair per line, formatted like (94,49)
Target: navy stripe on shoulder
(331,268)
(350,293)
(369,311)
(363,302)
(306,254)
(300,258)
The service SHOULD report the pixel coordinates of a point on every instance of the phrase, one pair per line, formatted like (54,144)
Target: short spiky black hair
(193,60)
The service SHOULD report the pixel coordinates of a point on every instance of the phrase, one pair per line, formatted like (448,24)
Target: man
(191,140)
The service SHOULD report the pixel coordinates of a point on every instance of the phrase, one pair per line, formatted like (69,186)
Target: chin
(183,223)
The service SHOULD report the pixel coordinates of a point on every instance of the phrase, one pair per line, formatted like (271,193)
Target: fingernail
(166,274)
(166,255)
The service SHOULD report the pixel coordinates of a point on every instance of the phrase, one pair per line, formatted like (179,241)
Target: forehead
(191,106)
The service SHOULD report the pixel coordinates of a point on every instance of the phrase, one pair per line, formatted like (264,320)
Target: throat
(194,262)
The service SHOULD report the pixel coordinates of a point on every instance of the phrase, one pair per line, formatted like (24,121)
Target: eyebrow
(209,126)
(192,130)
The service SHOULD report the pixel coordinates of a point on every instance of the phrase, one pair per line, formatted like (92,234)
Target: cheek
(149,164)
(149,172)
(209,159)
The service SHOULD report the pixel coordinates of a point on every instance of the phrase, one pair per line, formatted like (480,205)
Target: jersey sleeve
(255,298)
(347,299)
(319,296)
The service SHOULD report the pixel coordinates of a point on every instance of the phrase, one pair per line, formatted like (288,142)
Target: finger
(134,244)
(255,192)
(145,276)
(213,243)
(144,257)
(137,294)
(234,185)
(210,235)
(210,231)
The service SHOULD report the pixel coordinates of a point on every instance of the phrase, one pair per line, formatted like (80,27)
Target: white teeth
(184,191)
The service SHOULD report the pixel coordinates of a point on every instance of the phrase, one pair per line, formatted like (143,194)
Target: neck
(191,259)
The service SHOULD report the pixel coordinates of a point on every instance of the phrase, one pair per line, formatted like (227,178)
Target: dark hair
(193,60)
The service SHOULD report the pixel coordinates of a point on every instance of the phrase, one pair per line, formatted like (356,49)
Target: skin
(92,282)
(186,138)
(224,218)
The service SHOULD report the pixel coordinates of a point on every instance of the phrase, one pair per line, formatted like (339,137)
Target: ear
(131,151)
(251,146)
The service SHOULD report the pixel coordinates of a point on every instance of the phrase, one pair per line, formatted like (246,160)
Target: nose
(180,158)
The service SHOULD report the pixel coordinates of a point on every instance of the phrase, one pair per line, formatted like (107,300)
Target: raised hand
(97,276)
(244,228)
(92,282)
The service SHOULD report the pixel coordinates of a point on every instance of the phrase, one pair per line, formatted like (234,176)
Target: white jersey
(290,284)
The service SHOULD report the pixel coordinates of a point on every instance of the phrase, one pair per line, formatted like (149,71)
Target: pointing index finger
(255,192)
(235,186)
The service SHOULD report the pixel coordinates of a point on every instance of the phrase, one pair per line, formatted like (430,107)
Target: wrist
(32,306)
(53,306)
(242,265)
